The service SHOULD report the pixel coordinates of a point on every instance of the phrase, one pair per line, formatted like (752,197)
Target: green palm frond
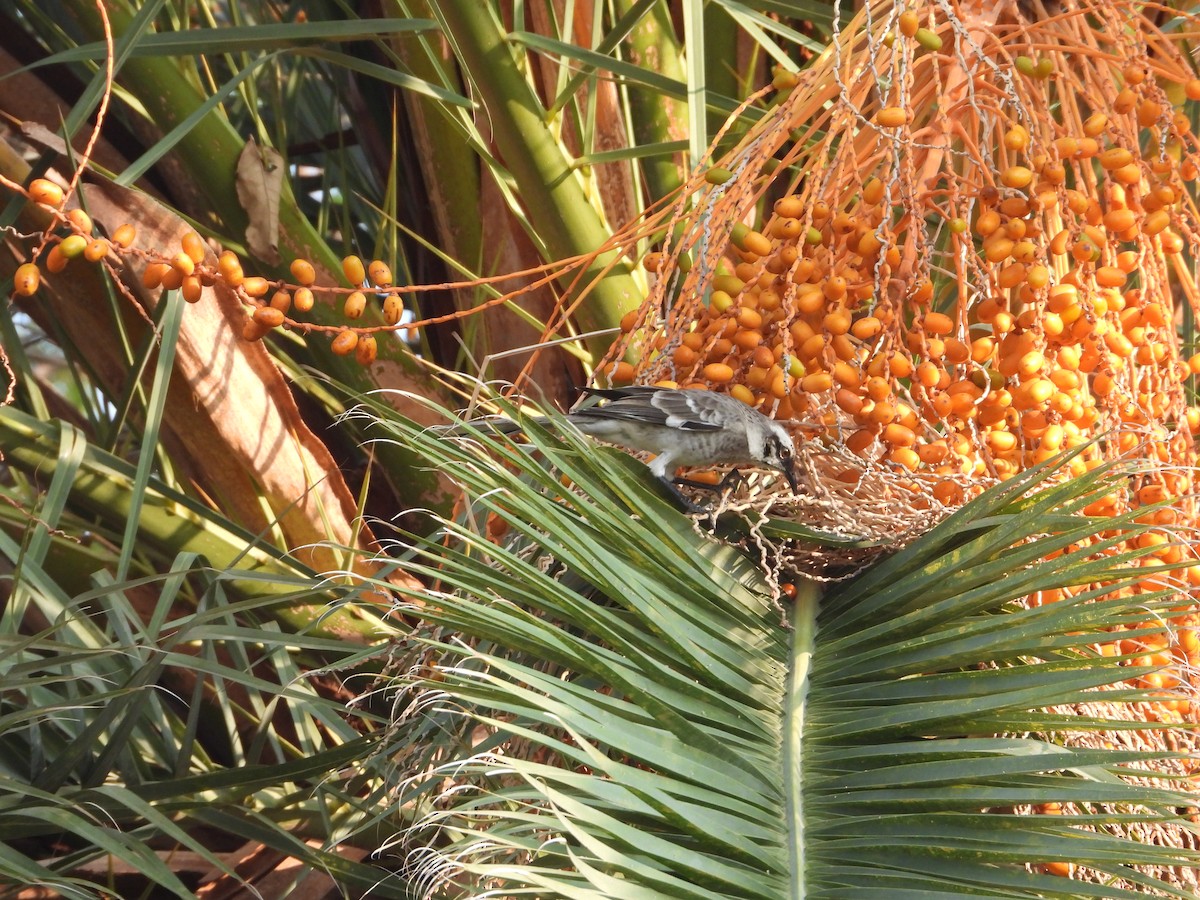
(651,728)
(140,716)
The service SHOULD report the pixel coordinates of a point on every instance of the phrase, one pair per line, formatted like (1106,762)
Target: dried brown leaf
(259,184)
(231,421)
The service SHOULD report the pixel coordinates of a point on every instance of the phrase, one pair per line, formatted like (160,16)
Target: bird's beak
(789,472)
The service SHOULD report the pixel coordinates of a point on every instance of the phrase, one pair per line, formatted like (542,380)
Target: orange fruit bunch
(962,290)
(187,269)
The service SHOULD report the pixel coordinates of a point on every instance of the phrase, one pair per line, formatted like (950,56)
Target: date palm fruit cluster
(188,269)
(951,249)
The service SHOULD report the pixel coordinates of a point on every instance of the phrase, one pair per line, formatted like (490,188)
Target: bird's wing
(685,410)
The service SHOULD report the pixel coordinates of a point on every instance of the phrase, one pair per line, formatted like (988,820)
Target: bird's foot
(671,484)
(732,479)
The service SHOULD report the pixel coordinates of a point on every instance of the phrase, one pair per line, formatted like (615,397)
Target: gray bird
(687,428)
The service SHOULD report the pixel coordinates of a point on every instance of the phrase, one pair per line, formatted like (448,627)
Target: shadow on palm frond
(603,702)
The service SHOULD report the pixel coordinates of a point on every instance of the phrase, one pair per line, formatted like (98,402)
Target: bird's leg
(732,479)
(700,485)
(671,485)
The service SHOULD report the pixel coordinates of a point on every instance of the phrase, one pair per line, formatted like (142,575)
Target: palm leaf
(654,729)
(145,714)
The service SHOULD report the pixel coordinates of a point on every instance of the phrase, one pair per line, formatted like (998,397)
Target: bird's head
(778,452)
